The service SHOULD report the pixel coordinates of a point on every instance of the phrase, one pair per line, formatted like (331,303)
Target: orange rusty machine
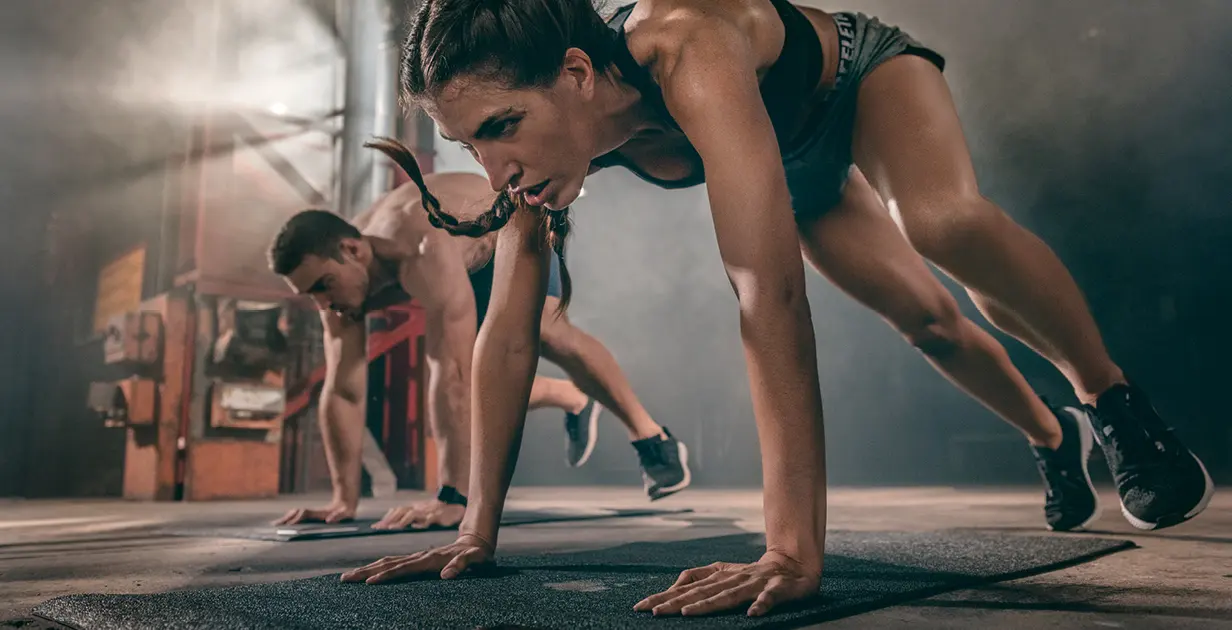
(203,405)
(221,369)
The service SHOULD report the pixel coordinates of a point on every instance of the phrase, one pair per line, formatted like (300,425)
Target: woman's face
(537,143)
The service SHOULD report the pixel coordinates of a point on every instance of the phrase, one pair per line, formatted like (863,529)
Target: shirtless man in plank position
(392,252)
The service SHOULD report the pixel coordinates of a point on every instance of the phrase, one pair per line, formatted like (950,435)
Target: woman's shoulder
(656,29)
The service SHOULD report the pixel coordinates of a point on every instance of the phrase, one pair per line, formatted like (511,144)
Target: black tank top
(794,74)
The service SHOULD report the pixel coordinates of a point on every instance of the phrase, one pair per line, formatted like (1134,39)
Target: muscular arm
(504,368)
(439,280)
(502,372)
(711,88)
(341,411)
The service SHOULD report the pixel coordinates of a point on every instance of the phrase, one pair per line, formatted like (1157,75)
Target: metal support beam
(371,101)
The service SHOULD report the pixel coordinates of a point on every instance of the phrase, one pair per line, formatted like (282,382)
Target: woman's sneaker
(1161,482)
(1071,503)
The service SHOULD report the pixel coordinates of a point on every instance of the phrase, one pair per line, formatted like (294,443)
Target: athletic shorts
(817,170)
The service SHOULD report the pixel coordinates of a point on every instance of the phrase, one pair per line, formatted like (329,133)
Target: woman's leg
(910,144)
(858,248)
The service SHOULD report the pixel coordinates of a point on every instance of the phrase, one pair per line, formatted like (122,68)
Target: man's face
(337,285)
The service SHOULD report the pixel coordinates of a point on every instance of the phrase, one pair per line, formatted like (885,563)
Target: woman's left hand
(772,580)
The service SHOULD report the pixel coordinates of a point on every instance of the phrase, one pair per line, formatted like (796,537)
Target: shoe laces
(1144,443)
(655,453)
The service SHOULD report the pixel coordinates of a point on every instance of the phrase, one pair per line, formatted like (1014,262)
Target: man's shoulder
(396,216)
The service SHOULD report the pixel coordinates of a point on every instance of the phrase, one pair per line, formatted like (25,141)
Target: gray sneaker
(665,465)
(581,431)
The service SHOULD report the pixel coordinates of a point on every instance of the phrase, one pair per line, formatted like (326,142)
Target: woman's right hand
(774,579)
(449,561)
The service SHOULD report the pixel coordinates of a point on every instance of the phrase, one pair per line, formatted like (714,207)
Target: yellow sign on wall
(119,287)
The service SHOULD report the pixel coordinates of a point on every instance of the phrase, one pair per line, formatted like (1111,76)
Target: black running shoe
(1160,481)
(665,465)
(1072,502)
(581,431)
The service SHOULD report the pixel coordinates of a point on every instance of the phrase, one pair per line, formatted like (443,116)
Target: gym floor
(1177,578)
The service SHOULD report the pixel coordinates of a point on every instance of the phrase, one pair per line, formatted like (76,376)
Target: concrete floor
(1178,578)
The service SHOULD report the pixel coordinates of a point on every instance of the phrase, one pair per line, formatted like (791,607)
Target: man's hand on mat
(721,586)
(332,513)
(422,515)
(449,561)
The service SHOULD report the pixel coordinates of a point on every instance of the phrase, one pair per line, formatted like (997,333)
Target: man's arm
(341,417)
(341,412)
(449,341)
(439,280)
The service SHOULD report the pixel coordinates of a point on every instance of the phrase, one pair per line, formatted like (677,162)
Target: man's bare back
(399,224)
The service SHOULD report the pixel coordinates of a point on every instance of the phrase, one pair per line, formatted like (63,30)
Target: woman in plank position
(829,134)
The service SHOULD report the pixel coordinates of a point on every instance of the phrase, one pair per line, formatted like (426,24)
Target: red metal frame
(379,344)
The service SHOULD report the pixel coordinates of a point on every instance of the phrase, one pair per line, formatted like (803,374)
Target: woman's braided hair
(555,223)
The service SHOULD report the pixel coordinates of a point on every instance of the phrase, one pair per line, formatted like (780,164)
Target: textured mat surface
(597,589)
(363,527)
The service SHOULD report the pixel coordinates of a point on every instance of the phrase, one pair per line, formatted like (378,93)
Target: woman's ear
(579,72)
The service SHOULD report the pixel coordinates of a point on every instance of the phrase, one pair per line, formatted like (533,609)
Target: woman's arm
(710,86)
(506,354)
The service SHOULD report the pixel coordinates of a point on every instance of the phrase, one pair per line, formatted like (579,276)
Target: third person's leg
(664,459)
(558,393)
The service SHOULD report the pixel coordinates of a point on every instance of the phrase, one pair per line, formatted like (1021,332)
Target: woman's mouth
(536,195)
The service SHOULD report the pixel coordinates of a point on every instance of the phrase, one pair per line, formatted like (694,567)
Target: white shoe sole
(684,483)
(1207,495)
(592,435)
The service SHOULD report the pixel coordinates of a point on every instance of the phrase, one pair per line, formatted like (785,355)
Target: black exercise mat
(363,527)
(597,589)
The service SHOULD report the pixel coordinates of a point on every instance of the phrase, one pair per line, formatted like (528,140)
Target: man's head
(321,255)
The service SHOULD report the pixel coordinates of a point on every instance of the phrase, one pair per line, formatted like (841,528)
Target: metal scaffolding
(371,100)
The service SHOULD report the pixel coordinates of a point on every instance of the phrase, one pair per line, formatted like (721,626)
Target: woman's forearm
(782,363)
(504,369)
